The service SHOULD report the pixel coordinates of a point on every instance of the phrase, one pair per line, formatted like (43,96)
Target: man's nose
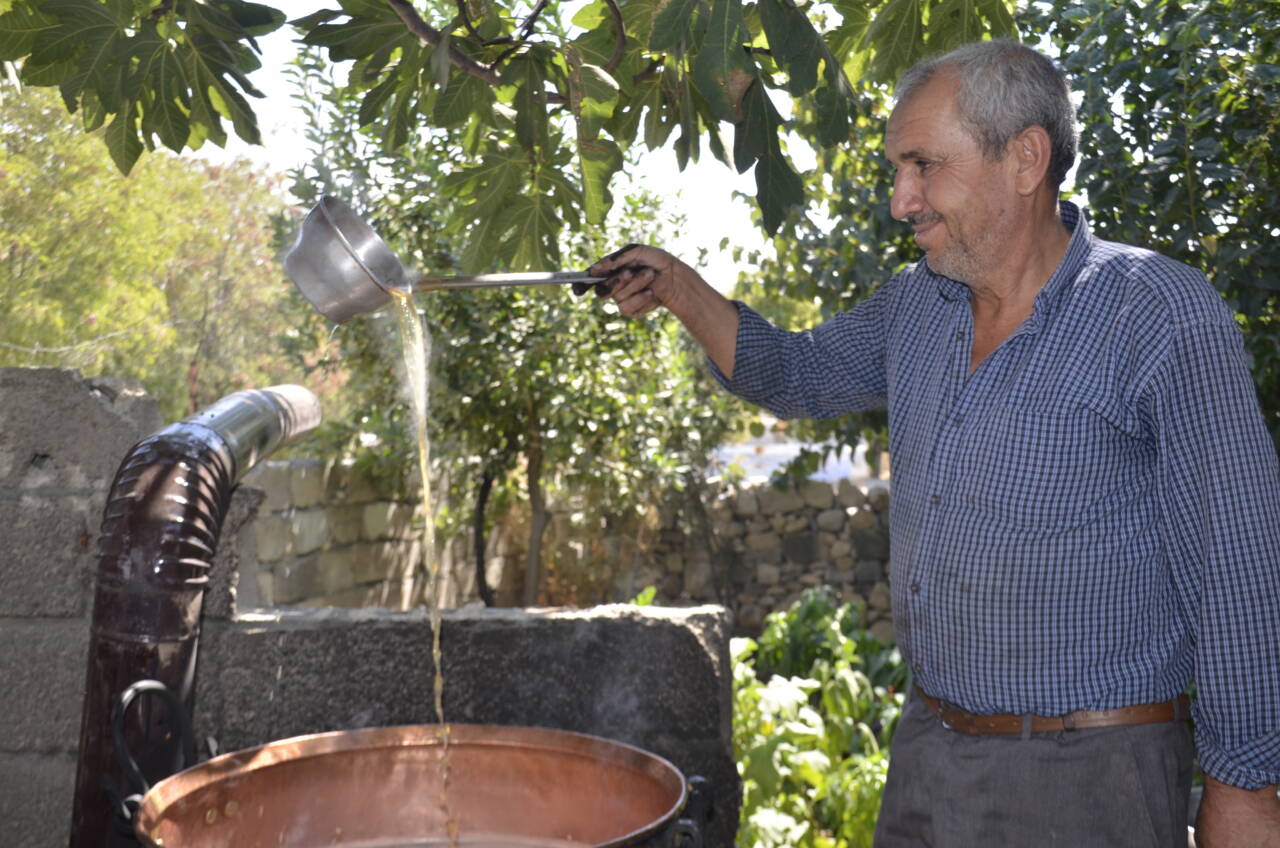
(905,199)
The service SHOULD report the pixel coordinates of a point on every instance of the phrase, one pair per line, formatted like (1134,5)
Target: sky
(703,192)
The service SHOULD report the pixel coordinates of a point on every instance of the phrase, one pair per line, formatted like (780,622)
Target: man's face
(955,199)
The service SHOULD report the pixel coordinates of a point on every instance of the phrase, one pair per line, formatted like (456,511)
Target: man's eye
(923,164)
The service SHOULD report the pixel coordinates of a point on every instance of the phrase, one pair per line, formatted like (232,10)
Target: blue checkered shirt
(1089,519)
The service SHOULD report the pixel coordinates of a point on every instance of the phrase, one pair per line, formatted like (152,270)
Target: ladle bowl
(382,787)
(345,269)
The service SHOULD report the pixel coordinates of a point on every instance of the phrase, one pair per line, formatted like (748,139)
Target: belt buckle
(946,708)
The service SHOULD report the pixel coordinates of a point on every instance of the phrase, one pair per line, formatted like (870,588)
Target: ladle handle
(482,281)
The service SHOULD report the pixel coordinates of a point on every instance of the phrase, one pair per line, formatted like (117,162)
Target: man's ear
(1031,150)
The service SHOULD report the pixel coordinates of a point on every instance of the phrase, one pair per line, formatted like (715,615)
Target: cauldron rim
(228,766)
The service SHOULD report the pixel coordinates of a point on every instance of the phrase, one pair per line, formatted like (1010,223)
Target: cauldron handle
(687,831)
(135,781)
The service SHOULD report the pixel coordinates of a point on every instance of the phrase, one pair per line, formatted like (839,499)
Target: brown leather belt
(963,721)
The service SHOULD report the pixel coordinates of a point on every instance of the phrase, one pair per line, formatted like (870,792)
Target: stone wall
(326,538)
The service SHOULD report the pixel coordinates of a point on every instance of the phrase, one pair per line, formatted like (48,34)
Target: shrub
(815,703)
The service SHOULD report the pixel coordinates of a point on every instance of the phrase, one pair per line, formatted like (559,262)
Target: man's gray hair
(1005,87)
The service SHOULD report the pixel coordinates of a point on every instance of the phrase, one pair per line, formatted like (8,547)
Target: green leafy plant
(816,701)
(548,104)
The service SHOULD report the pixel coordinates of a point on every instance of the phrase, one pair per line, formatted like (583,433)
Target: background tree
(168,276)
(545,107)
(537,397)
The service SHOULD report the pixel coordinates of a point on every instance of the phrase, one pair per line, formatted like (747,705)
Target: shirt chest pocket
(1053,463)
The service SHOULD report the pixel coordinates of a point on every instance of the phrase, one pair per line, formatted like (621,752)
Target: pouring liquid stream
(414,346)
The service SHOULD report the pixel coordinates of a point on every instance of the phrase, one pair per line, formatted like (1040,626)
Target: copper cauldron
(506,787)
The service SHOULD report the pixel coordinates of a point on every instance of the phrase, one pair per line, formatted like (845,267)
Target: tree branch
(620,36)
(432,36)
(466,21)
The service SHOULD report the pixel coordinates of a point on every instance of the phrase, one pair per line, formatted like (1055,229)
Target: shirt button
(935,499)
(959,335)
(917,668)
(915,588)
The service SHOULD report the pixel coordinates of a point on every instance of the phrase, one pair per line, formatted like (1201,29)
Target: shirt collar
(1074,219)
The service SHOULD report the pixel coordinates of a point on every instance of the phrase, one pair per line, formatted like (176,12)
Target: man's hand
(1231,817)
(643,278)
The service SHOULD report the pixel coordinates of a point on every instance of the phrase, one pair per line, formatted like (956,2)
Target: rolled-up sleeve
(1220,488)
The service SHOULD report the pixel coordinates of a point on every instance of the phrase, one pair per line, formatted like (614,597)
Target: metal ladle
(344,269)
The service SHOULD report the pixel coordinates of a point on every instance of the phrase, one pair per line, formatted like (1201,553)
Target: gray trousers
(1111,787)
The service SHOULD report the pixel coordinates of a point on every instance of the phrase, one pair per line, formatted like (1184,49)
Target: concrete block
(43,671)
(61,440)
(36,794)
(49,555)
(306,483)
(310,530)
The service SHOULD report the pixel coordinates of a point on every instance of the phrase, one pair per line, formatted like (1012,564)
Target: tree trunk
(482,501)
(538,518)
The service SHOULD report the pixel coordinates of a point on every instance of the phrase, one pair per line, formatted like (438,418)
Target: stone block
(306,483)
(800,547)
(275,537)
(768,574)
(770,555)
(778,523)
(849,495)
(296,580)
(841,548)
(393,560)
(673,562)
(879,597)
(388,520)
(36,795)
(730,530)
(831,520)
(43,671)
(810,580)
(883,631)
(817,494)
(777,501)
(871,543)
(868,571)
(337,570)
(763,541)
(878,496)
(862,519)
(747,504)
(839,576)
(346,523)
(797,523)
(697,578)
(273,477)
(310,530)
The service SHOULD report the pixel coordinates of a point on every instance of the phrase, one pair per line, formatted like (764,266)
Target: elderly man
(1086,505)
